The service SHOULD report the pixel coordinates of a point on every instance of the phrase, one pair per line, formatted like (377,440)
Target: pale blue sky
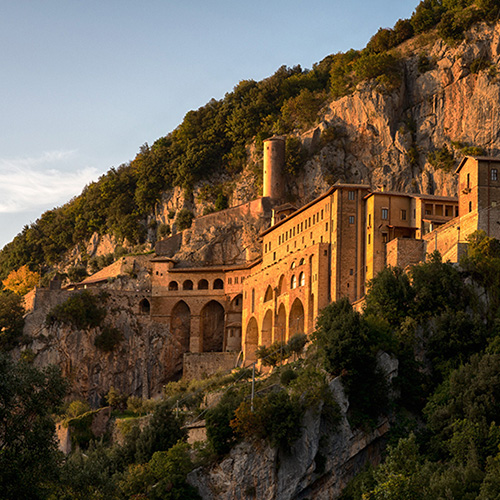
(85,83)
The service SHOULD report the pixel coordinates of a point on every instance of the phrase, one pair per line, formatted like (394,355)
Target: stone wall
(402,252)
(203,364)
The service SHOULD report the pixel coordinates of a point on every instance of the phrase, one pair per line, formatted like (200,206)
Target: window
(385,213)
(494,174)
(229,281)
(187,285)
(351,219)
(470,206)
(468,181)
(351,271)
(203,284)
(293,282)
(293,265)
(218,284)
(326,227)
(351,195)
(302,279)
(384,237)
(369,220)
(269,247)
(173,285)
(369,239)
(236,280)
(403,214)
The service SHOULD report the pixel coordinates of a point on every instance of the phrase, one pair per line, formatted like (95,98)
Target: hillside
(398,113)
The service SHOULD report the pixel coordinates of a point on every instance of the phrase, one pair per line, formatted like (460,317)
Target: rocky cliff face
(319,465)
(141,363)
(447,96)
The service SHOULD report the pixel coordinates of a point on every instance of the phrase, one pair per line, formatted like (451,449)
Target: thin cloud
(47,180)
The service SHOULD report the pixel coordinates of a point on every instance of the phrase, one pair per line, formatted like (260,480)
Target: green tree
(11,319)
(29,459)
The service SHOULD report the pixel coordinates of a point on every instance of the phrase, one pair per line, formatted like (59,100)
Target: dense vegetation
(439,320)
(442,322)
(214,138)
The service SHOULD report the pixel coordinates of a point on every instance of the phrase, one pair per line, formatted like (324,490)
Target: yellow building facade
(319,253)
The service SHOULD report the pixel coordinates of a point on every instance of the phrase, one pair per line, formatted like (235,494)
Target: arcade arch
(212,327)
(180,324)
(251,339)
(296,318)
(267,329)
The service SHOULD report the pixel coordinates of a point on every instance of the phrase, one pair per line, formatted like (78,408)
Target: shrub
(276,417)
(108,339)
(219,431)
(82,310)
(287,376)
(184,219)
(442,159)
(11,319)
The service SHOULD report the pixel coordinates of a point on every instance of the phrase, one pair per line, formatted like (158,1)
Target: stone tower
(274,161)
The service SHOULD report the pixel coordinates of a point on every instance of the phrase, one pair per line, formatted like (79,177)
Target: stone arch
(281,284)
(269,294)
(233,335)
(296,318)
(173,285)
(144,306)
(218,284)
(280,330)
(203,284)
(212,327)
(187,285)
(237,303)
(267,329)
(251,339)
(180,325)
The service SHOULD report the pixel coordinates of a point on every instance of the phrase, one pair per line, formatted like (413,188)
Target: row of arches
(203,284)
(212,326)
(276,326)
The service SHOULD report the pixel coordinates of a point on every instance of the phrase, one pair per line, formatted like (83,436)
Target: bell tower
(274,161)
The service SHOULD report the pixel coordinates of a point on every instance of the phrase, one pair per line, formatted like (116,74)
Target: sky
(85,83)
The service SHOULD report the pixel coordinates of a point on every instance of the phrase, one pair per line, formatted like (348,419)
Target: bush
(220,434)
(82,310)
(184,219)
(108,339)
(442,159)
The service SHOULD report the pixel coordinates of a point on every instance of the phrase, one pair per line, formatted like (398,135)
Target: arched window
(293,265)
(218,284)
(269,294)
(187,285)
(203,285)
(302,279)
(301,263)
(173,286)
(293,282)
(144,306)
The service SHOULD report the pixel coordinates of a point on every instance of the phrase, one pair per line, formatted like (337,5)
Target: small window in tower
(494,174)
(269,247)
(274,255)
(321,214)
(369,239)
(470,206)
(351,219)
(369,220)
(351,271)
(468,181)
(352,195)
(236,280)
(230,281)
(326,227)
(384,237)
(403,214)
(385,213)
